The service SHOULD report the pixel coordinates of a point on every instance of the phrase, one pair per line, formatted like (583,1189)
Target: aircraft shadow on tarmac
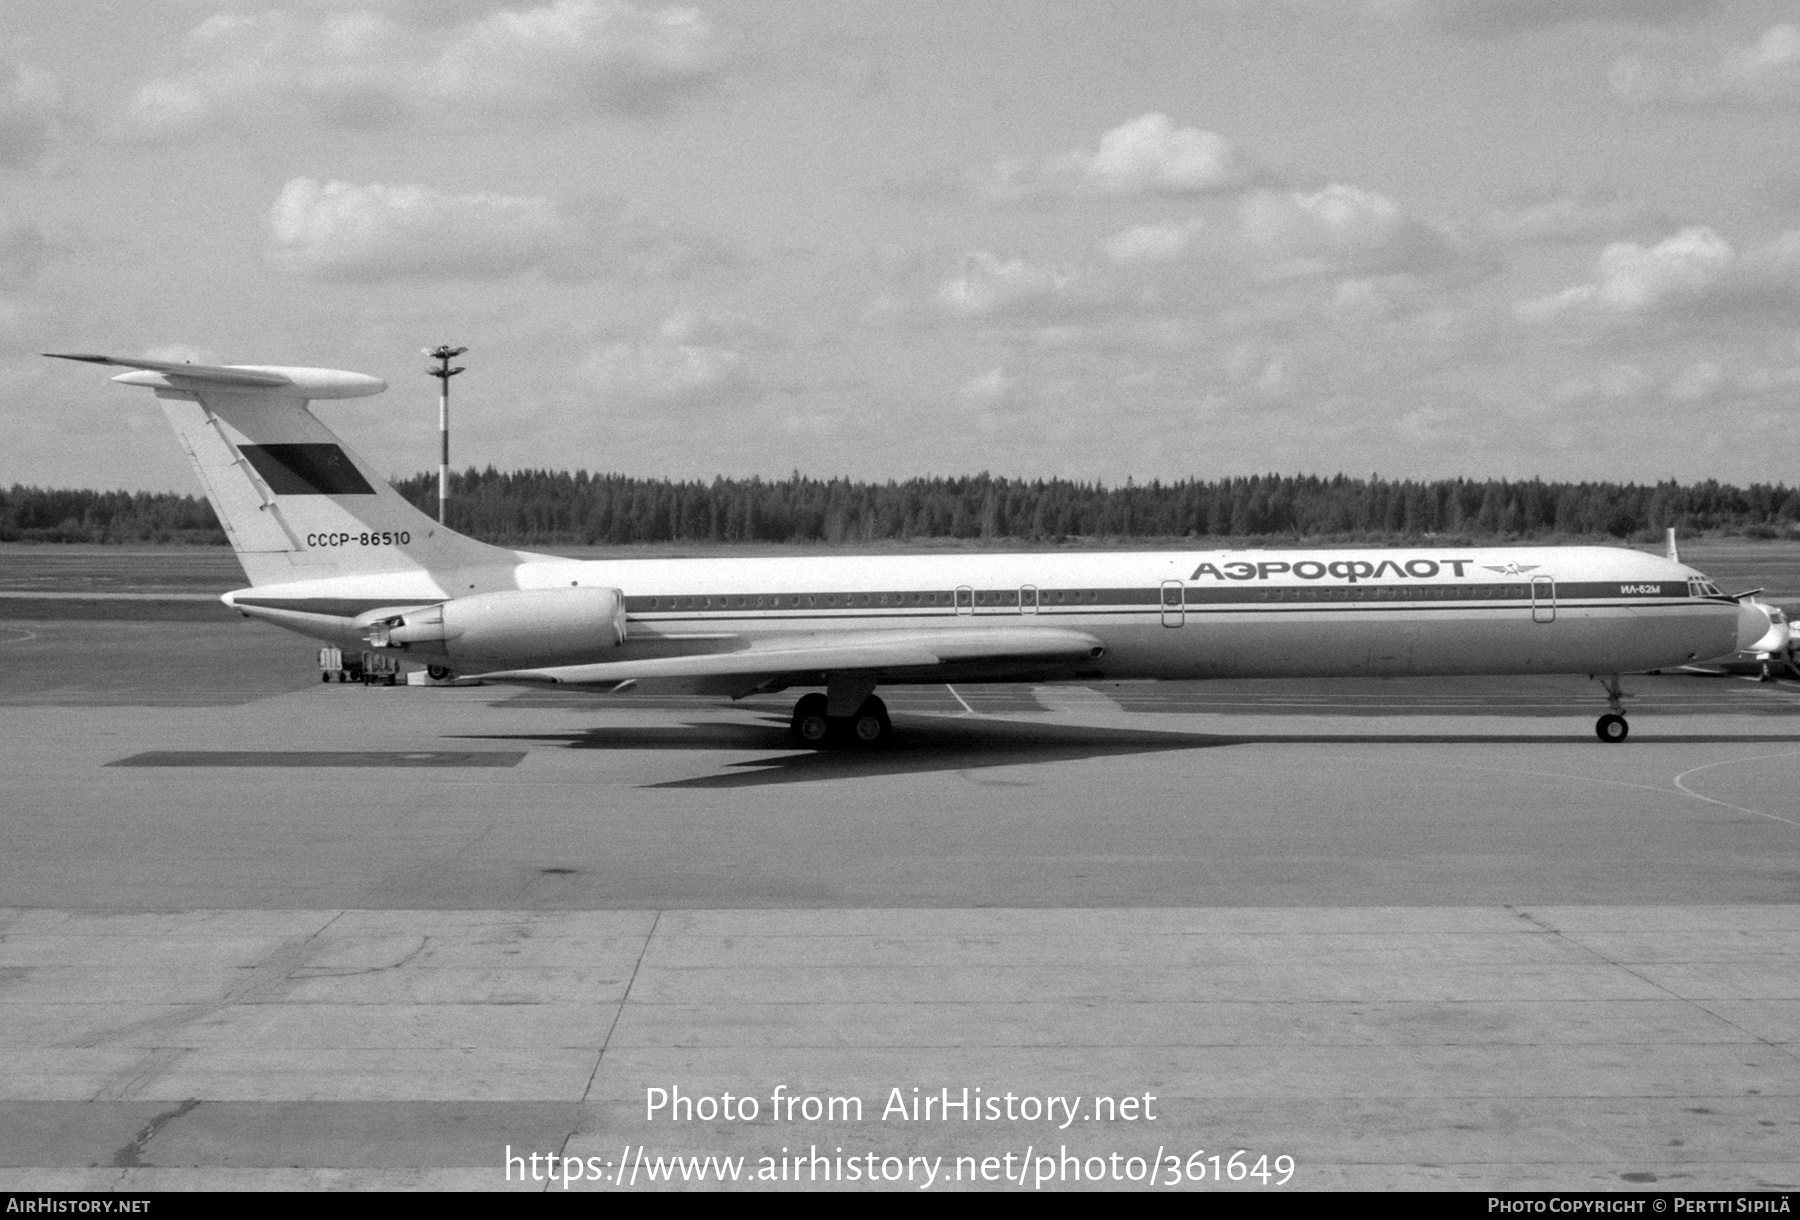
(926,744)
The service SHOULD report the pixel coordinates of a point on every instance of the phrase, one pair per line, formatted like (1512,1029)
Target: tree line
(548,508)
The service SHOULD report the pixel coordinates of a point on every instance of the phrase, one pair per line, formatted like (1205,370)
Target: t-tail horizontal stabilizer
(236,378)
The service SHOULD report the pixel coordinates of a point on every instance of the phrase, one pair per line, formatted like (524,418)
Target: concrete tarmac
(264,932)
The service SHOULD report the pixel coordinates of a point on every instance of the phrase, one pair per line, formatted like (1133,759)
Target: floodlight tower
(443,354)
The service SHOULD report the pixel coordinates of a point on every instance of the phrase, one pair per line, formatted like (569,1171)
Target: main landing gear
(867,726)
(1612,727)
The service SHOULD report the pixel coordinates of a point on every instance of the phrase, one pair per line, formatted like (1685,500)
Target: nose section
(1757,630)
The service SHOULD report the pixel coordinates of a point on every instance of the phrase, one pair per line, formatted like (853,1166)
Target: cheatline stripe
(1086,602)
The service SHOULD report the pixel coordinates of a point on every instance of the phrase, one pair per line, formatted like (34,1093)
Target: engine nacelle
(1762,629)
(517,627)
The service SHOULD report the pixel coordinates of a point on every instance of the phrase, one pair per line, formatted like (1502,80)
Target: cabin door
(1174,603)
(1543,599)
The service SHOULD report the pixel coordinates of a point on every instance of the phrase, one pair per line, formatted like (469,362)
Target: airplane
(1777,648)
(1774,652)
(333,552)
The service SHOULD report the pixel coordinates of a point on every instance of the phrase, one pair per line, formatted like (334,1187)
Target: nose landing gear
(812,727)
(1611,727)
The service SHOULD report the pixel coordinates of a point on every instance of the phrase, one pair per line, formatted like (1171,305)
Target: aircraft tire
(811,727)
(870,727)
(1611,728)
(437,673)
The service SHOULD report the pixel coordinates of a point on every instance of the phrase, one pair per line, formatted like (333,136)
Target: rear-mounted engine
(518,627)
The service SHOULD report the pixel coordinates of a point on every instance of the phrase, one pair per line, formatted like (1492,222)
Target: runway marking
(1680,789)
(321,758)
(1726,804)
(29,635)
(959,699)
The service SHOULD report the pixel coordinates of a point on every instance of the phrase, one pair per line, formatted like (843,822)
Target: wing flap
(836,652)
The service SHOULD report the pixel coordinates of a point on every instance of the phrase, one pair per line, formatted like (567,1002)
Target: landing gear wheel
(871,726)
(437,673)
(810,726)
(1611,728)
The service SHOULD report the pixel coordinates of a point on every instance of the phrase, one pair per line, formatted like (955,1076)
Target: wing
(911,655)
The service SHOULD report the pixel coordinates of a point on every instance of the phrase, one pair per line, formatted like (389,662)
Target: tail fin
(295,503)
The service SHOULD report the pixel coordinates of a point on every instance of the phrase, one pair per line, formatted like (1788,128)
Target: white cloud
(989,286)
(1699,380)
(1148,155)
(1762,381)
(1693,381)
(1572,217)
(688,359)
(34,114)
(1253,367)
(1694,271)
(694,326)
(438,11)
(994,388)
(1284,235)
(23,251)
(367,69)
(1501,18)
(1154,243)
(1341,229)
(1766,73)
(1618,382)
(342,231)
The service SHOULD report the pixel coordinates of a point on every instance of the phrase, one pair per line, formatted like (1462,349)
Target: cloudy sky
(1153,239)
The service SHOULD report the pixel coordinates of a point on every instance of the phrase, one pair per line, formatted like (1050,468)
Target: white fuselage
(1161,614)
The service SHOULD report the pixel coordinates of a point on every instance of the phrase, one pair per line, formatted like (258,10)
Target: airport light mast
(443,354)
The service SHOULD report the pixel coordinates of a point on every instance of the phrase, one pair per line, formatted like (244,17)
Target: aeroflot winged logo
(1351,570)
(1513,569)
